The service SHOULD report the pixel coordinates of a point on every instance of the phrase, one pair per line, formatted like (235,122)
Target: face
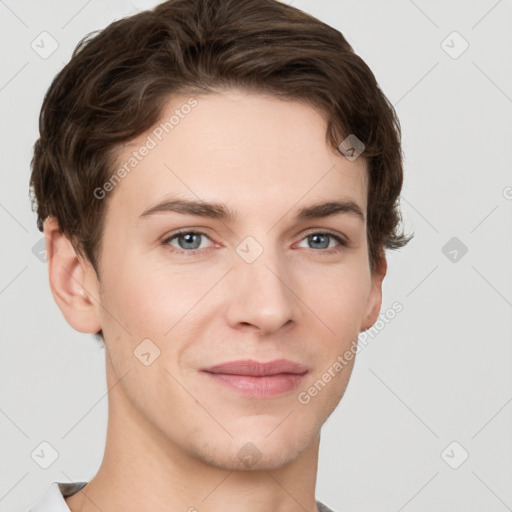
(186,288)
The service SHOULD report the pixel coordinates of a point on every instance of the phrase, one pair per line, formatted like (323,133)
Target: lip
(261,380)
(253,368)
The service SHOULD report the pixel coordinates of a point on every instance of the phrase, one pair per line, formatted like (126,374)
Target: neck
(144,470)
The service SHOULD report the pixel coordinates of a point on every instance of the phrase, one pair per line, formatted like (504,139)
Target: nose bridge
(262,291)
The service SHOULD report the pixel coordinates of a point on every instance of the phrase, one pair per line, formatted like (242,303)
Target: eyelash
(342,243)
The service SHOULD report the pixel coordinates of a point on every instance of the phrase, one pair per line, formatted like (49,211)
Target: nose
(261,294)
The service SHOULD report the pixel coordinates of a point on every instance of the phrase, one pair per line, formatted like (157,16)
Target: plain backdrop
(426,421)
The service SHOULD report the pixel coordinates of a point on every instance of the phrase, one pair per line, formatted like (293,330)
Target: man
(217,181)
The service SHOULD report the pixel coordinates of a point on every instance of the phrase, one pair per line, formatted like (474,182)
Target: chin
(254,453)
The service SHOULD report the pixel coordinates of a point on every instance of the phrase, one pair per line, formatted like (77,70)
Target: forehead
(253,151)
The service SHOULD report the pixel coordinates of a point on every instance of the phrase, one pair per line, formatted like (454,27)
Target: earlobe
(374,302)
(67,276)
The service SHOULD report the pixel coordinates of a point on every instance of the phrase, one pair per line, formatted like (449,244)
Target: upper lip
(257,369)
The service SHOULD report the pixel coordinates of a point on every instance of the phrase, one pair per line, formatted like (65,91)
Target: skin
(173,435)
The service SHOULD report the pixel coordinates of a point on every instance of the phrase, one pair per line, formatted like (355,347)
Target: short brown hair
(119,79)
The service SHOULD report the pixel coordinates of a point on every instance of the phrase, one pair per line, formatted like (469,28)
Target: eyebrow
(219,211)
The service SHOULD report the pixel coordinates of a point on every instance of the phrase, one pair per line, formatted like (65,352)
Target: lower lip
(261,387)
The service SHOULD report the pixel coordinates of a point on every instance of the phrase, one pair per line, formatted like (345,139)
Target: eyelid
(326,231)
(183,231)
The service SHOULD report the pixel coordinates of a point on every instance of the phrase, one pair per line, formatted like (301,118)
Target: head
(251,106)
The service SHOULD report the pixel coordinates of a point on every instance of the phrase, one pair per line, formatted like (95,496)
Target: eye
(321,240)
(188,241)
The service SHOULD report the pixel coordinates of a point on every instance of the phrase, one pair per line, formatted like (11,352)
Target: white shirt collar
(53,499)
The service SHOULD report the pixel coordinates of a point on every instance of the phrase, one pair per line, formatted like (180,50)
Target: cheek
(149,297)
(337,296)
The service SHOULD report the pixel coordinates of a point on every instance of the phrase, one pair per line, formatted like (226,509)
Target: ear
(68,275)
(374,301)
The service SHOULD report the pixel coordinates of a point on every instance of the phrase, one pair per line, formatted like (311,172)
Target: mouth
(262,380)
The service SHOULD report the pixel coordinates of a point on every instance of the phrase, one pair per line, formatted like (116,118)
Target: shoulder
(322,508)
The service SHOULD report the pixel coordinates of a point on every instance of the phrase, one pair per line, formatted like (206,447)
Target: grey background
(439,372)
